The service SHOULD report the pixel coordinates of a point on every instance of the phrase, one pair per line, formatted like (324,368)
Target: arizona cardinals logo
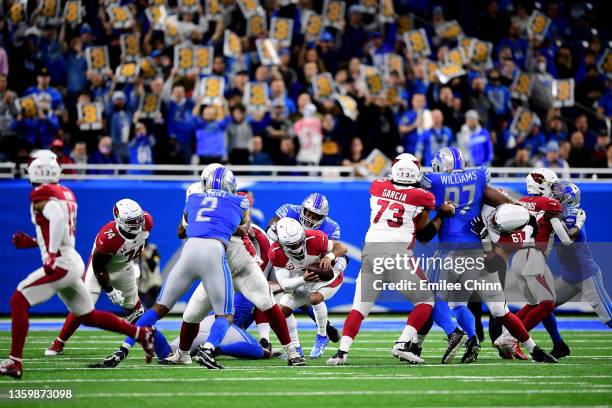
(115,211)
(538,178)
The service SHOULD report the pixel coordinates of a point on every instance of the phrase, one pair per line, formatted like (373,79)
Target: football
(324,274)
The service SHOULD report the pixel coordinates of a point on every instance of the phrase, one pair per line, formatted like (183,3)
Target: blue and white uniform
(328,226)
(580,274)
(211,217)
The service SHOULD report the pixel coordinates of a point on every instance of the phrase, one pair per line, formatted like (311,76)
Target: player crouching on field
(399,216)
(111,266)
(310,269)
(54,213)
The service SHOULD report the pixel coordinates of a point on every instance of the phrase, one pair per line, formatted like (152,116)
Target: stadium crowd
(55,92)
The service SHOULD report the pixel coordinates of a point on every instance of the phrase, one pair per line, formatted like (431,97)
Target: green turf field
(372,378)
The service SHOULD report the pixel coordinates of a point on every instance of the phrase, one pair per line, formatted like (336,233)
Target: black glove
(479,228)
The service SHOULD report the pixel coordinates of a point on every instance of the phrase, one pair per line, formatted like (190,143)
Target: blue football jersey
(465,189)
(328,226)
(576,260)
(214,214)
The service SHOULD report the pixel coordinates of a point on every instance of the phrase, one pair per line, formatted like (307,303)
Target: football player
(212,216)
(248,279)
(293,256)
(54,209)
(111,266)
(531,246)
(399,215)
(579,273)
(312,214)
(467,189)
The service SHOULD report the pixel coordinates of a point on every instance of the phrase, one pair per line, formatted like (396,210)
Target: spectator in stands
(43,81)
(413,122)
(120,115)
(141,147)
(601,147)
(478,101)
(355,35)
(278,93)
(535,141)
(57,147)
(432,140)
(309,133)
(475,141)
(38,130)
(287,152)
(178,116)
(355,155)
(517,44)
(556,130)
(552,160)
(79,154)
(210,134)
(258,156)
(521,159)
(580,156)
(581,123)
(604,106)
(104,155)
(498,95)
(589,90)
(8,109)
(239,134)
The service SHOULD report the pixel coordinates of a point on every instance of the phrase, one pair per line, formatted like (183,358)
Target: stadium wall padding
(349,205)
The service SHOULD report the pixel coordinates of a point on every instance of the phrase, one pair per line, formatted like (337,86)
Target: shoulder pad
(108,240)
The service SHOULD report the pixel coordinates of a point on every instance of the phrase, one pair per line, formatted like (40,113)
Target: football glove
(116,297)
(21,240)
(479,228)
(271,232)
(49,265)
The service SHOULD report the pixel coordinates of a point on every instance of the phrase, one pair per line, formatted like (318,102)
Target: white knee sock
(345,343)
(293,332)
(419,339)
(263,330)
(320,313)
(407,334)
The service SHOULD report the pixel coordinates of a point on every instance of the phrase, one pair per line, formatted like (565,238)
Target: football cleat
(135,315)
(332,332)
(205,357)
(505,346)
(293,357)
(560,350)
(541,356)
(518,353)
(338,359)
(472,348)
(319,346)
(401,351)
(11,368)
(415,349)
(177,358)
(267,348)
(113,360)
(455,340)
(56,348)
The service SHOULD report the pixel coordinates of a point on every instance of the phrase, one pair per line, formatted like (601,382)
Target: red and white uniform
(528,265)
(123,272)
(393,211)
(287,268)
(55,232)
(247,277)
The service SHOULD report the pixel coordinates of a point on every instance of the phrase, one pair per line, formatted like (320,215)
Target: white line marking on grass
(374,377)
(312,393)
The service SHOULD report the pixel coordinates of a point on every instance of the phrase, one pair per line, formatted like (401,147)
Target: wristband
(331,256)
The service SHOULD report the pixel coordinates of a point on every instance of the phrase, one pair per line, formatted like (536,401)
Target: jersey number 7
(398,213)
(453,194)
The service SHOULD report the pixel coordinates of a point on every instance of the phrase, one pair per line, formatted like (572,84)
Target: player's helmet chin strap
(397,183)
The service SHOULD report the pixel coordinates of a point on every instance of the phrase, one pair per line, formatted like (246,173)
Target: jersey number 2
(208,204)
(398,213)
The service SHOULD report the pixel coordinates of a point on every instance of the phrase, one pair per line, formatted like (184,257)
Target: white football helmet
(43,153)
(405,172)
(408,156)
(541,182)
(129,217)
(508,218)
(291,237)
(44,170)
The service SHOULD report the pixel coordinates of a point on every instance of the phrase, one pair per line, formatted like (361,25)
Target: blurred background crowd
(512,83)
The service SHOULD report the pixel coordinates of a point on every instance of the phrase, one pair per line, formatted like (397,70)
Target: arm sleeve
(282,276)
(57,224)
(557,225)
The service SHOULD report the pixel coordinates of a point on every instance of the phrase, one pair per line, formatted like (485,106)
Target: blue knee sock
(149,318)
(162,348)
(217,331)
(550,324)
(442,317)
(466,320)
(242,350)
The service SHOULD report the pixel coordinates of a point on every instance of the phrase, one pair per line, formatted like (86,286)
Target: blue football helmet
(220,179)
(447,160)
(567,193)
(314,210)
